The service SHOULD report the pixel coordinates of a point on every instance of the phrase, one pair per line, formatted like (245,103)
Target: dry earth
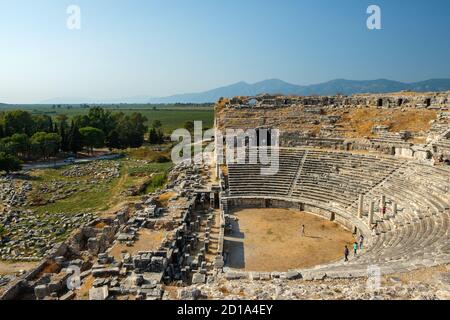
(148,240)
(271,240)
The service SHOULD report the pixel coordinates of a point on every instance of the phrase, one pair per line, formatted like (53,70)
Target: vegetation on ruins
(156,182)
(9,163)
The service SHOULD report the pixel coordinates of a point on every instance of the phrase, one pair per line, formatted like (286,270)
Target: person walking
(355,248)
(303,230)
(346,252)
(361,241)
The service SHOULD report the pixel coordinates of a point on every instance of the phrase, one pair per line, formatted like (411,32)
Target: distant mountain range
(276,86)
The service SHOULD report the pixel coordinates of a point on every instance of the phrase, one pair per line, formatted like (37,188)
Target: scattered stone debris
(284,289)
(96,170)
(14,193)
(30,235)
(181,256)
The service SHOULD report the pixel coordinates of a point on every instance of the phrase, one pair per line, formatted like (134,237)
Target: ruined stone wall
(398,99)
(372,122)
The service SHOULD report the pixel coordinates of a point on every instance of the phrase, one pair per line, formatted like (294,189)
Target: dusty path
(62,163)
(271,240)
(14,267)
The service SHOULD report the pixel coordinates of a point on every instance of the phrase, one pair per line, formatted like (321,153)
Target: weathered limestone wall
(324,121)
(405,99)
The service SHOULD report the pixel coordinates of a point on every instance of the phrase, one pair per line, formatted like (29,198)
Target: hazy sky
(162,47)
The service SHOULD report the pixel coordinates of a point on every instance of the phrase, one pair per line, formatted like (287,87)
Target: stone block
(41,291)
(189,294)
(100,293)
(68,296)
(292,275)
(198,278)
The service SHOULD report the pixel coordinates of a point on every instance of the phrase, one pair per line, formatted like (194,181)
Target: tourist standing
(361,241)
(346,252)
(303,230)
(355,248)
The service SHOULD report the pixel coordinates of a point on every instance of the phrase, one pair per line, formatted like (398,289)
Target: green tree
(42,123)
(74,140)
(21,145)
(157,124)
(131,129)
(18,121)
(9,163)
(92,137)
(81,121)
(101,119)
(156,136)
(139,129)
(189,125)
(113,140)
(64,139)
(46,144)
(62,120)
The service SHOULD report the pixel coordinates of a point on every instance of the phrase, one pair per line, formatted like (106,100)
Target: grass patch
(149,168)
(157,182)
(151,153)
(95,199)
(79,194)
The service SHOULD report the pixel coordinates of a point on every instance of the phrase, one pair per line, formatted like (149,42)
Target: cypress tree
(75,139)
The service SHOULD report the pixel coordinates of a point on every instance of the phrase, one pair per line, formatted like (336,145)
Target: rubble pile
(30,235)
(56,190)
(186,177)
(4,280)
(285,289)
(14,193)
(33,236)
(97,171)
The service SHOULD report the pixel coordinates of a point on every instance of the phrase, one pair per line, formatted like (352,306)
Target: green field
(171,116)
(59,200)
(102,195)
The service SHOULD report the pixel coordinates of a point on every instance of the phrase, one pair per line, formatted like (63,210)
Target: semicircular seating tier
(412,232)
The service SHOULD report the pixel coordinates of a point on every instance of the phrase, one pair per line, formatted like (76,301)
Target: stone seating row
(341,176)
(418,234)
(248,178)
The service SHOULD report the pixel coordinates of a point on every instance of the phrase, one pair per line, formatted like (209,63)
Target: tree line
(26,136)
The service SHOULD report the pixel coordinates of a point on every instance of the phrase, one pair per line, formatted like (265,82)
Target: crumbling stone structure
(325,122)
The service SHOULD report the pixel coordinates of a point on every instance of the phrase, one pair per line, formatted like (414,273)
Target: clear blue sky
(162,47)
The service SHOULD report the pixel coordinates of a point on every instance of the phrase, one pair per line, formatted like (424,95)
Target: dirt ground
(424,275)
(271,240)
(14,267)
(148,240)
(83,292)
